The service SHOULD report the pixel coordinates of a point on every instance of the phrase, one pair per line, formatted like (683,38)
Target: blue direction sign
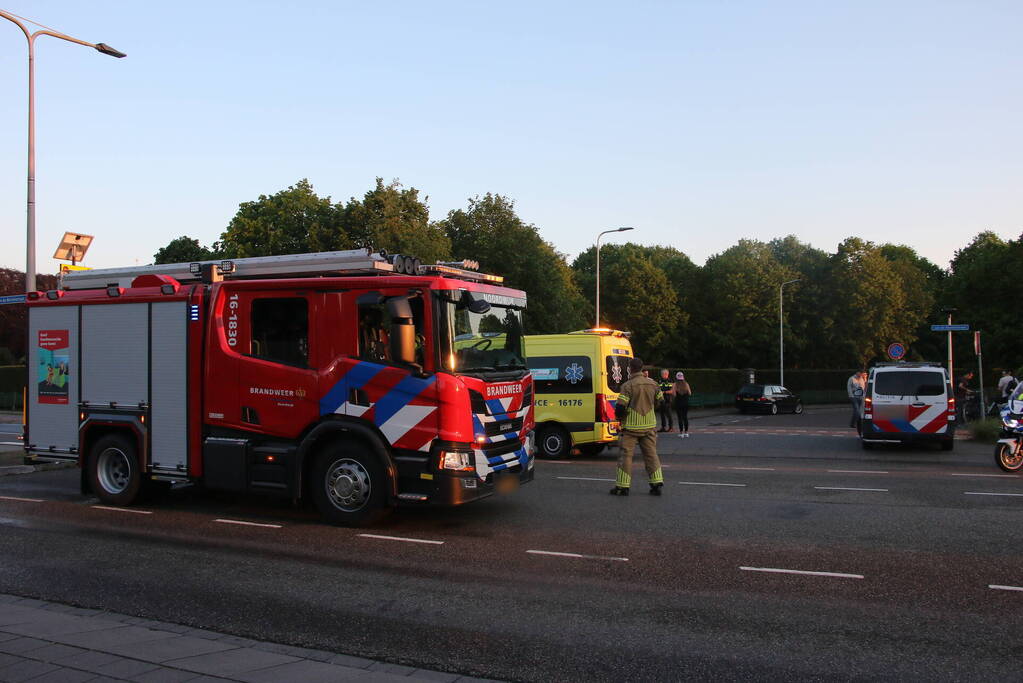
(962,327)
(13,299)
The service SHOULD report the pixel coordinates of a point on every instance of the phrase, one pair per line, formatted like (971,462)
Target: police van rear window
(909,383)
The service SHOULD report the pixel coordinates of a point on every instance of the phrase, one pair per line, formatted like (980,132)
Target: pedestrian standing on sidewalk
(635,408)
(682,392)
(664,410)
(854,387)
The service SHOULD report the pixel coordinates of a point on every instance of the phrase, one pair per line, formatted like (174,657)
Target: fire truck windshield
(482,337)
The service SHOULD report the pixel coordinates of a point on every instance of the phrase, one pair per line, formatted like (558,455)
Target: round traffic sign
(896,351)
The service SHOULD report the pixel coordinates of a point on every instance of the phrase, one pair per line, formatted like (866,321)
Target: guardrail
(701,399)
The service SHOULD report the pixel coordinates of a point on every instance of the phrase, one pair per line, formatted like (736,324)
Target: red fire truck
(355,379)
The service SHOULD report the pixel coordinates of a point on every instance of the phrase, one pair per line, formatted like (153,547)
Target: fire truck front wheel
(349,485)
(114,470)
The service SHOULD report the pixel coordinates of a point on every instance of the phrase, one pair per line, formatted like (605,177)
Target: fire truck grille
(503,427)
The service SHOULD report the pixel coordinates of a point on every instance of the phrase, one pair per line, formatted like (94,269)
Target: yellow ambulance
(576,378)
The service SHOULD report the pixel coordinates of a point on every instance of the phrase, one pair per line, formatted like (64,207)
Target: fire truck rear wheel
(349,485)
(114,470)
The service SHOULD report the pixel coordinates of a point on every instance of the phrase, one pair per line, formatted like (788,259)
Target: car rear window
(909,383)
(752,390)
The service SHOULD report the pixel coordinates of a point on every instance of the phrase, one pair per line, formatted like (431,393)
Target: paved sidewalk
(47,642)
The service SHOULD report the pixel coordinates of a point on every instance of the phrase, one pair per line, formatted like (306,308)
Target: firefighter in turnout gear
(636,408)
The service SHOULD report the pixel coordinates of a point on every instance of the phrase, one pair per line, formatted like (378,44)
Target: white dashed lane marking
(709,483)
(240,522)
(128,510)
(773,570)
(987,493)
(577,555)
(402,539)
(753,469)
(584,479)
(860,471)
(847,488)
(23,500)
(996,587)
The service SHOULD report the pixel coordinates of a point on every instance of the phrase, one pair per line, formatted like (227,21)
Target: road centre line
(23,500)
(113,509)
(986,493)
(708,483)
(860,471)
(243,523)
(772,570)
(585,479)
(577,555)
(996,587)
(404,540)
(847,488)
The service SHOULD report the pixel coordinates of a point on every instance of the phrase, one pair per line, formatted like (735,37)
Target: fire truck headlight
(456,460)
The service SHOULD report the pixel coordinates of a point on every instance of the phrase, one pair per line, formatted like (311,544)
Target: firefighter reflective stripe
(638,422)
(623,479)
(657,477)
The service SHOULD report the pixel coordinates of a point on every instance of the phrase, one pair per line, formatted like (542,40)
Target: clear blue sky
(699,123)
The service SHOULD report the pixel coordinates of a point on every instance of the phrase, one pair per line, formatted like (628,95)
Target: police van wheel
(554,442)
(349,485)
(114,470)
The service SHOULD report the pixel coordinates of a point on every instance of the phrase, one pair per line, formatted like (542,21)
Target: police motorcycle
(1009,449)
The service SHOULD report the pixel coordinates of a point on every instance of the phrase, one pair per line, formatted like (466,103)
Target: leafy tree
(873,306)
(393,218)
(738,312)
(809,323)
(13,317)
(923,283)
(183,250)
(980,273)
(635,295)
(490,232)
(293,221)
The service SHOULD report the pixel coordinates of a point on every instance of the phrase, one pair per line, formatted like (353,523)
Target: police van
(576,378)
(908,403)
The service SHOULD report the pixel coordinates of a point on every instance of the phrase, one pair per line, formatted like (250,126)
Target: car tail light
(762,398)
(951,408)
(868,407)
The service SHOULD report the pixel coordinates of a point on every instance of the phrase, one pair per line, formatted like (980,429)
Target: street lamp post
(781,332)
(598,267)
(30,231)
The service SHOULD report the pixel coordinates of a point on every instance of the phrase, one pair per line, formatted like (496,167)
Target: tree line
(842,311)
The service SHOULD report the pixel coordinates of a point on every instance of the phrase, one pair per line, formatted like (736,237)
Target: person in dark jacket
(682,391)
(664,410)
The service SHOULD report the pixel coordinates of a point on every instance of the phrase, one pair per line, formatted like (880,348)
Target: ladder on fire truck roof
(327,263)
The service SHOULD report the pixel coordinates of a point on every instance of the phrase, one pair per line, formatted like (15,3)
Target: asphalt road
(779,550)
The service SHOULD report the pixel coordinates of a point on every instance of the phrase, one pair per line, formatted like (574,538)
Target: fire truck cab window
(375,329)
(280,330)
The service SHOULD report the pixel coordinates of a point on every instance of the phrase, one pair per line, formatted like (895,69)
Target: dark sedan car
(767,398)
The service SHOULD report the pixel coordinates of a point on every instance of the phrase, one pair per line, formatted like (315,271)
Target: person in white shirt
(1005,384)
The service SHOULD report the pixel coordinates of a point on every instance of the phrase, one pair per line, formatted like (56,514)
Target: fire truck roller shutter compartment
(54,380)
(115,354)
(168,412)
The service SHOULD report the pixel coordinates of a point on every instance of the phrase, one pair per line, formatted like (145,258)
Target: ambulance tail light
(456,461)
(603,411)
(868,408)
(951,407)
